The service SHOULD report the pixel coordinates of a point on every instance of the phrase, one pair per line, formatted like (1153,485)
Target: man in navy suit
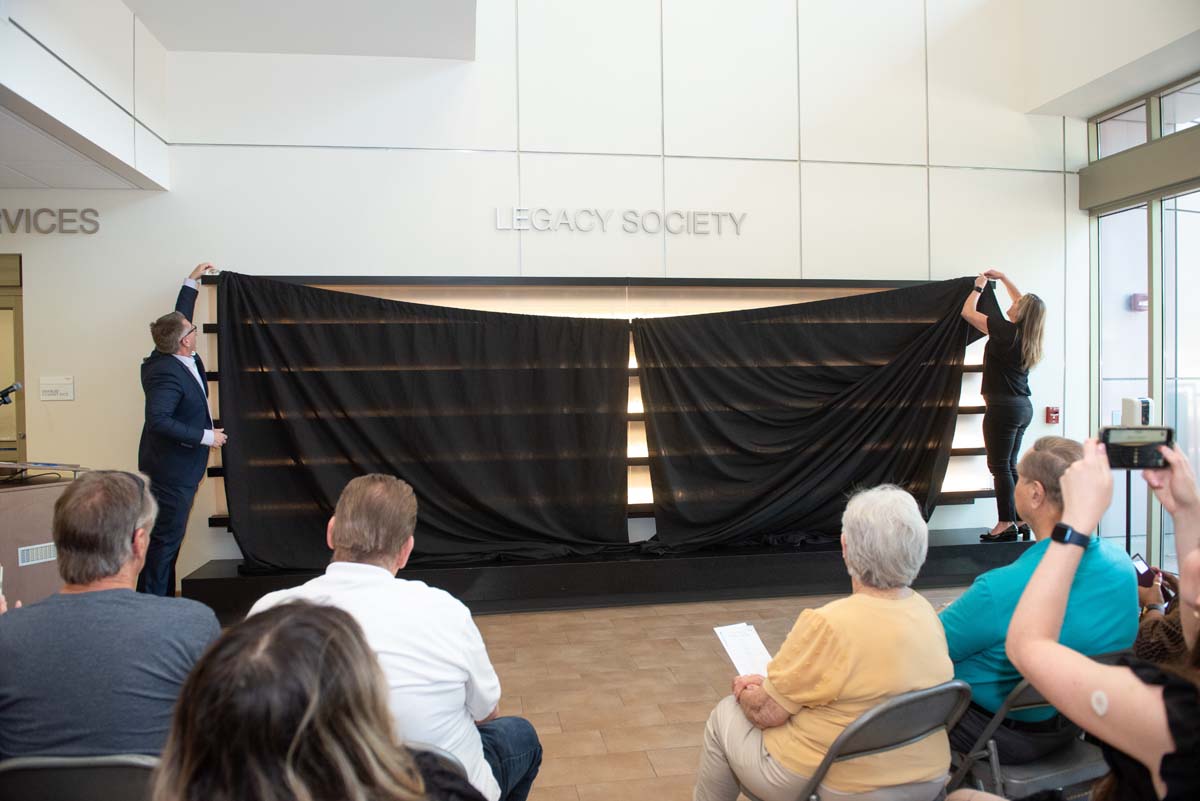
(177,434)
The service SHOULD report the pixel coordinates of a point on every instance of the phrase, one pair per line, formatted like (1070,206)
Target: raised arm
(1013,293)
(970,313)
(1109,702)
(1175,487)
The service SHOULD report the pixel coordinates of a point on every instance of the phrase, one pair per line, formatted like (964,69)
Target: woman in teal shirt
(1102,614)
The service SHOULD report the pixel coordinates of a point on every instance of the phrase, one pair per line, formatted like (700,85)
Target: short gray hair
(94,521)
(167,331)
(375,516)
(885,537)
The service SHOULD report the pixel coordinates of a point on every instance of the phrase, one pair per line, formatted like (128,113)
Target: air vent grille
(36,554)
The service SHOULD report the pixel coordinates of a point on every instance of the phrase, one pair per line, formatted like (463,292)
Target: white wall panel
(767,192)
(729,78)
(1012,221)
(1076,316)
(607,184)
(152,157)
(27,69)
(362,212)
(242,98)
(590,76)
(1075,145)
(1009,220)
(94,36)
(862,81)
(976,90)
(864,221)
(150,80)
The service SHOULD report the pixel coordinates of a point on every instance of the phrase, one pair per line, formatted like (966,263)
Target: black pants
(1016,743)
(1004,424)
(174,507)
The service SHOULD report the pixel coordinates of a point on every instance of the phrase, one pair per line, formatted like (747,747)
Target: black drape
(761,422)
(510,428)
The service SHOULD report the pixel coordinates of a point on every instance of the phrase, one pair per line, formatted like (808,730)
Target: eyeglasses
(191,331)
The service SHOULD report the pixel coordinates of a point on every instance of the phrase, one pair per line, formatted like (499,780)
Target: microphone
(4,393)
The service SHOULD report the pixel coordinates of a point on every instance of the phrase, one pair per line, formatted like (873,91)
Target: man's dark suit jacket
(170,451)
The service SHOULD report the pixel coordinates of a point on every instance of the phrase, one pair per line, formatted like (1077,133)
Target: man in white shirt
(442,687)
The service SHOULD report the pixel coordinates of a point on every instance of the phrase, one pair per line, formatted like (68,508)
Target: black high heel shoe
(1025,531)
(1008,535)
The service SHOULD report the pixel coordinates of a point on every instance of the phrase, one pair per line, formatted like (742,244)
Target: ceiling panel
(406,28)
(11,179)
(32,159)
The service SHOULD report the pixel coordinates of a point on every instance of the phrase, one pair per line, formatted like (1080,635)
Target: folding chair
(1076,763)
(449,759)
(897,722)
(119,777)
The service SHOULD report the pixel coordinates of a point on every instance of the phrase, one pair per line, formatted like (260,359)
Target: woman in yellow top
(838,662)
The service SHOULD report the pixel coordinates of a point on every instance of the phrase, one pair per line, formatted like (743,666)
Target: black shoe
(1025,531)
(1008,535)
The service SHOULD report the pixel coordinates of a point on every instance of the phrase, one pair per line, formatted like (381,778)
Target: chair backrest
(1025,696)
(447,758)
(119,777)
(897,722)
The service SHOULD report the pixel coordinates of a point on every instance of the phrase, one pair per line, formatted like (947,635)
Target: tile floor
(620,695)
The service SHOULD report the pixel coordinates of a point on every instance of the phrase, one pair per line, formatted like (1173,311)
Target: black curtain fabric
(761,422)
(510,428)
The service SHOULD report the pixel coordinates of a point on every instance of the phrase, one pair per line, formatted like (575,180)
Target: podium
(27,511)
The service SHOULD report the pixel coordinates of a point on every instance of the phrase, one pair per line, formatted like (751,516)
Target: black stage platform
(956,557)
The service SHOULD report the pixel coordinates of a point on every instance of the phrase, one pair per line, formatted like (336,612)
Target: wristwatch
(979,289)
(1160,608)
(1069,536)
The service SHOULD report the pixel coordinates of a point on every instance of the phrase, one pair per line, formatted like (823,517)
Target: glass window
(1124,349)
(1181,336)
(1121,131)
(1181,109)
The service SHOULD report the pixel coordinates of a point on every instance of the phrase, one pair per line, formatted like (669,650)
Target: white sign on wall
(57,388)
(676,222)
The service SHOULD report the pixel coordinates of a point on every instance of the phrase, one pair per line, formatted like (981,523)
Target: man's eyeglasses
(190,331)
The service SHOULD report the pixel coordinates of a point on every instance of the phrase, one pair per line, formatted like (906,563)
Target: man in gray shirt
(96,668)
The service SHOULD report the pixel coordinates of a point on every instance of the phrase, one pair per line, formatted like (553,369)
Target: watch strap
(1069,536)
(979,289)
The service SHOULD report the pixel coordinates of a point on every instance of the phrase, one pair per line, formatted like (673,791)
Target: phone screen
(1145,574)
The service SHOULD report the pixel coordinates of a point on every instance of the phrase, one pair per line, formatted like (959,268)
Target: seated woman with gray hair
(838,662)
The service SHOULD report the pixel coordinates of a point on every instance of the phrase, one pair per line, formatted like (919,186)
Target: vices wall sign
(49,221)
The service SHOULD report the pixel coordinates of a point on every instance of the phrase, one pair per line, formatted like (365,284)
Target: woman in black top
(1147,716)
(1012,350)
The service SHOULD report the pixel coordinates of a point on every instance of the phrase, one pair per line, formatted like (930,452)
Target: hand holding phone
(1136,447)
(1174,485)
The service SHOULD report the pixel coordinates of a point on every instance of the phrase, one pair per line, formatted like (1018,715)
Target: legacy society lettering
(631,221)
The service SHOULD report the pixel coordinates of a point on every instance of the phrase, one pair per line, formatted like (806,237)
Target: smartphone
(1146,576)
(1144,571)
(1136,447)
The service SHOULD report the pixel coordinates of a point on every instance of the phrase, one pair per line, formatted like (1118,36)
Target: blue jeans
(512,749)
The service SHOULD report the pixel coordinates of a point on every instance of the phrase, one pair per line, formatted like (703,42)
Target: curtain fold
(510,428)
(760,423)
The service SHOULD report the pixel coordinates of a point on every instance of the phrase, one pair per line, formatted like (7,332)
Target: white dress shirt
(439,677)
(190,363)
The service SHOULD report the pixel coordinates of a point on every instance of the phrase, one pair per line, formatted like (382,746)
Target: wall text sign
(49,221)
(629,221)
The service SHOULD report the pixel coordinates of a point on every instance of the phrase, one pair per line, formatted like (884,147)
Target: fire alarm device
(1051,414)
